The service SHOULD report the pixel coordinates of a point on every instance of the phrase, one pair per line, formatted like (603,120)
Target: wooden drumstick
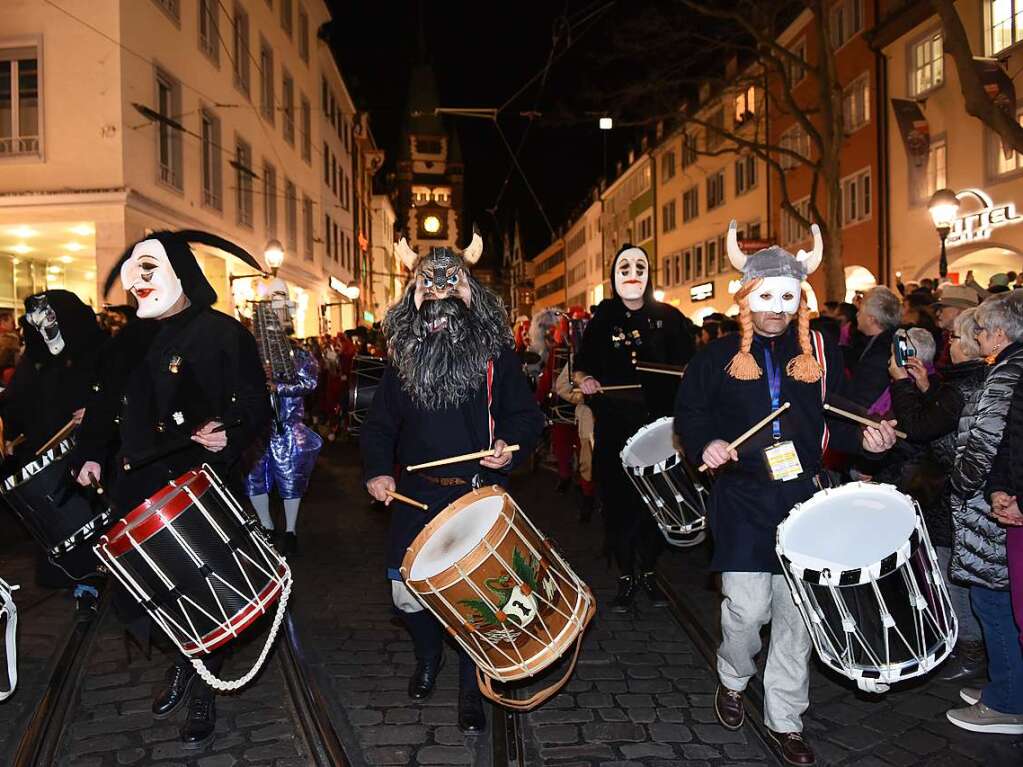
(859,419)
(95,484)
(662,371)
(618,387)
(460,458)
(406,499)
(61,433)
(751,431)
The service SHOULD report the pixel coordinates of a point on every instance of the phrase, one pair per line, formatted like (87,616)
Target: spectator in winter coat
(877,319)
(978,547)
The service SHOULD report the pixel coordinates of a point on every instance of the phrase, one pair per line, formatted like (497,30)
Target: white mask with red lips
(632,272)
(149,276)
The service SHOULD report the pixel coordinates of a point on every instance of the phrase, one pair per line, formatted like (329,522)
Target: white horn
(472,253)
(735,254)
(812,259)
(406,254)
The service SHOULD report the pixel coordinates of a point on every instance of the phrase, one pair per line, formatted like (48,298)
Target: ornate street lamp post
(944,207)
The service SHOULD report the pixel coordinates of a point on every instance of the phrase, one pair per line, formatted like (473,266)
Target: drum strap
(822,358)
(490,399)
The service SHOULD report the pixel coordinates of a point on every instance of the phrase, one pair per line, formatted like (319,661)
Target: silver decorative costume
(289,458)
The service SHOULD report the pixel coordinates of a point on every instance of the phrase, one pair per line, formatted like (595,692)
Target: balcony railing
(19,145)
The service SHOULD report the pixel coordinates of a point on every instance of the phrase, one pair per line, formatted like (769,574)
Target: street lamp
(274,255)
(944,207)
(658,295)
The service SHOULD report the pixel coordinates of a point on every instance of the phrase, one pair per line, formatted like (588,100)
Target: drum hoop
(119,541)
(443,579)
(858,576)
(21,476)
(655,468)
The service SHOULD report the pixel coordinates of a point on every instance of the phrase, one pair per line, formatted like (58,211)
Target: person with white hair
(878,318)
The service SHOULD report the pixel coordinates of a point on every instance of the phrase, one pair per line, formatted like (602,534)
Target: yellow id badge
(783,461)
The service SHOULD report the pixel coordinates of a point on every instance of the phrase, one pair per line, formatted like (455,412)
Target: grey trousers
(750,601)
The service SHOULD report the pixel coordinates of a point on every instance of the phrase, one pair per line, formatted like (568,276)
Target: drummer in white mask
(724,392)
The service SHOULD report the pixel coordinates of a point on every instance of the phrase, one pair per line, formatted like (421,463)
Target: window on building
(646,228)
(326,163)
(270,200)
(794,139)
(690,203)
(666,273)
(687,265)
(668,217)
(212,184)
(715,189)
(927,64)
(688,149)
(676,270)
(429,145)
(723,263)
(856,103)
(333,176)
(746,105)
(288,108)
(266,81)
(1003,164)
(303,34)
(337,243)
(715,130)
(171,7)
(792,231)
(856,197)
(168,133)
(307,129)
(1004,24)
(745,174)
(241,49)
(287,19)
(935,177)
(209,23)
(667,166)
(697,262)
(20,102)
(712,257)
(291,215)
(794,70)
(846,21)
(243,181)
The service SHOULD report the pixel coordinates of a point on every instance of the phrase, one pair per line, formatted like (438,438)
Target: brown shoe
(794,749)
(728,707)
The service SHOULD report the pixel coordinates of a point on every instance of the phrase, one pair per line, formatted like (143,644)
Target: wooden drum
(501,589)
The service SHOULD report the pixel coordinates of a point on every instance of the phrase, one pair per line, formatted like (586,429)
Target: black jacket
(870,371)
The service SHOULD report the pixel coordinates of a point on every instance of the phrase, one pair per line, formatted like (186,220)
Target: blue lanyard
(774,383)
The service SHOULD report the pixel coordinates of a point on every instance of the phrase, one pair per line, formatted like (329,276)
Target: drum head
(456,537)
(651,445)
(853,526)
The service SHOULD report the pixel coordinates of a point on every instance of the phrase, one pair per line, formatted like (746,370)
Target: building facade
(138,116)
(627,213)
(550,290)
(386,269)
(584,258)
(519,272)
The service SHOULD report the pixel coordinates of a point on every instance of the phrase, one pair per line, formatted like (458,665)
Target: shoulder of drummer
(563,386)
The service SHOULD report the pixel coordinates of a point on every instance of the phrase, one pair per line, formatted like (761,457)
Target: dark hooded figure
(629,328)
(454,386)
(169,382)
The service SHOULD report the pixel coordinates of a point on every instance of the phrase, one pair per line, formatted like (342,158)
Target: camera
(903,348)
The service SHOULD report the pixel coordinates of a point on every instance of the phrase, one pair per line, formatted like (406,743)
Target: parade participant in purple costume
(291,454)
(455,385)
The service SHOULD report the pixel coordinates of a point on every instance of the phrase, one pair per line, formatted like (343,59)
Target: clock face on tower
(431,224)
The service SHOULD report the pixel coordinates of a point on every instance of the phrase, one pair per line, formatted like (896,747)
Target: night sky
(481,60)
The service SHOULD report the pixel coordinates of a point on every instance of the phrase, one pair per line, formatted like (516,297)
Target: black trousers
(428,640)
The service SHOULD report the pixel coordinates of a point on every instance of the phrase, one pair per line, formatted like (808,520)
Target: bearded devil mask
(446,326)
(772,281)
(41,316)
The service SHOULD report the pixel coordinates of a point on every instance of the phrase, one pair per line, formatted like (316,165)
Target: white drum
(9,623)
(865,577)
(667,485)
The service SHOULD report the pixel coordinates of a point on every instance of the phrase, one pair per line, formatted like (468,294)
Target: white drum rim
(483,525)
(22,475)
(650,468)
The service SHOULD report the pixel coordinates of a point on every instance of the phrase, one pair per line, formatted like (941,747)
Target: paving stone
(402,716)
(894,755)
(99,681)
(130,755)
(889,722)
(594,673)
(594,700)
(609,732)
(583,751)
(643,672)
(740,751)
(91,698)
(634,701)
(270,751)
(394,735)
(647,751)
(161,732)
(674,715)
(921,743)
(439,716)
(855,737)
(220,760)
(276,731)
(650,685)
(449,736)
(556,733)
(443,755)
(257,718)
(388,755)
(364,717)
(612,715)
(171,750)
(699,751)
(562,716)
(613,686)
(96,744)
(642,715)
(716,734)
(223,743)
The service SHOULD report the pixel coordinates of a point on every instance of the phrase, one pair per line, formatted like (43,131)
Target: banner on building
(999,88)
(916,135)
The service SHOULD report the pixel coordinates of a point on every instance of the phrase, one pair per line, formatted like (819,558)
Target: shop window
(20,102)
(927,65)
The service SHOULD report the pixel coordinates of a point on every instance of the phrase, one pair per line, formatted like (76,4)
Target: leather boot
(653,589)
(967,661)
(420,685)
(180,677)
(627,585)
(470,709)
(199,726)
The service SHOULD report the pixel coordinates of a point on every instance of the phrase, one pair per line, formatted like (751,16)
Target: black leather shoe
(470,711)
(180,677)
(967,661)
(289,545)
(653,589)
(622,602)
(425,677)
(199,726)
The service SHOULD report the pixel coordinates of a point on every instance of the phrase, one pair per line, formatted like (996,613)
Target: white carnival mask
(44,319)
(149,276)
(632,272)
(780,295)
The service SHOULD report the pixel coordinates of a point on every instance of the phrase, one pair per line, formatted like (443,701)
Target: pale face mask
(632,271)
(780,295)
(149,276)
(44,319)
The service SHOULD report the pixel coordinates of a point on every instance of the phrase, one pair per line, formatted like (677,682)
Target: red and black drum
(56,511)
(192,558)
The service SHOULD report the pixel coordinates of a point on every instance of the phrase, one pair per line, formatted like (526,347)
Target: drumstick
(61,433)
(16,441)
(751,431)
(662,371)
(460,458)
(406,499)
(619,387)
(95,484)
(859,419)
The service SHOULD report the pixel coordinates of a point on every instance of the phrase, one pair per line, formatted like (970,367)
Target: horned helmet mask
(772,281)
(43,318)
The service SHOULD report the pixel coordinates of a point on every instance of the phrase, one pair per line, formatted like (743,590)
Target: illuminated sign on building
(701,292)
(978,224)
(336,284)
